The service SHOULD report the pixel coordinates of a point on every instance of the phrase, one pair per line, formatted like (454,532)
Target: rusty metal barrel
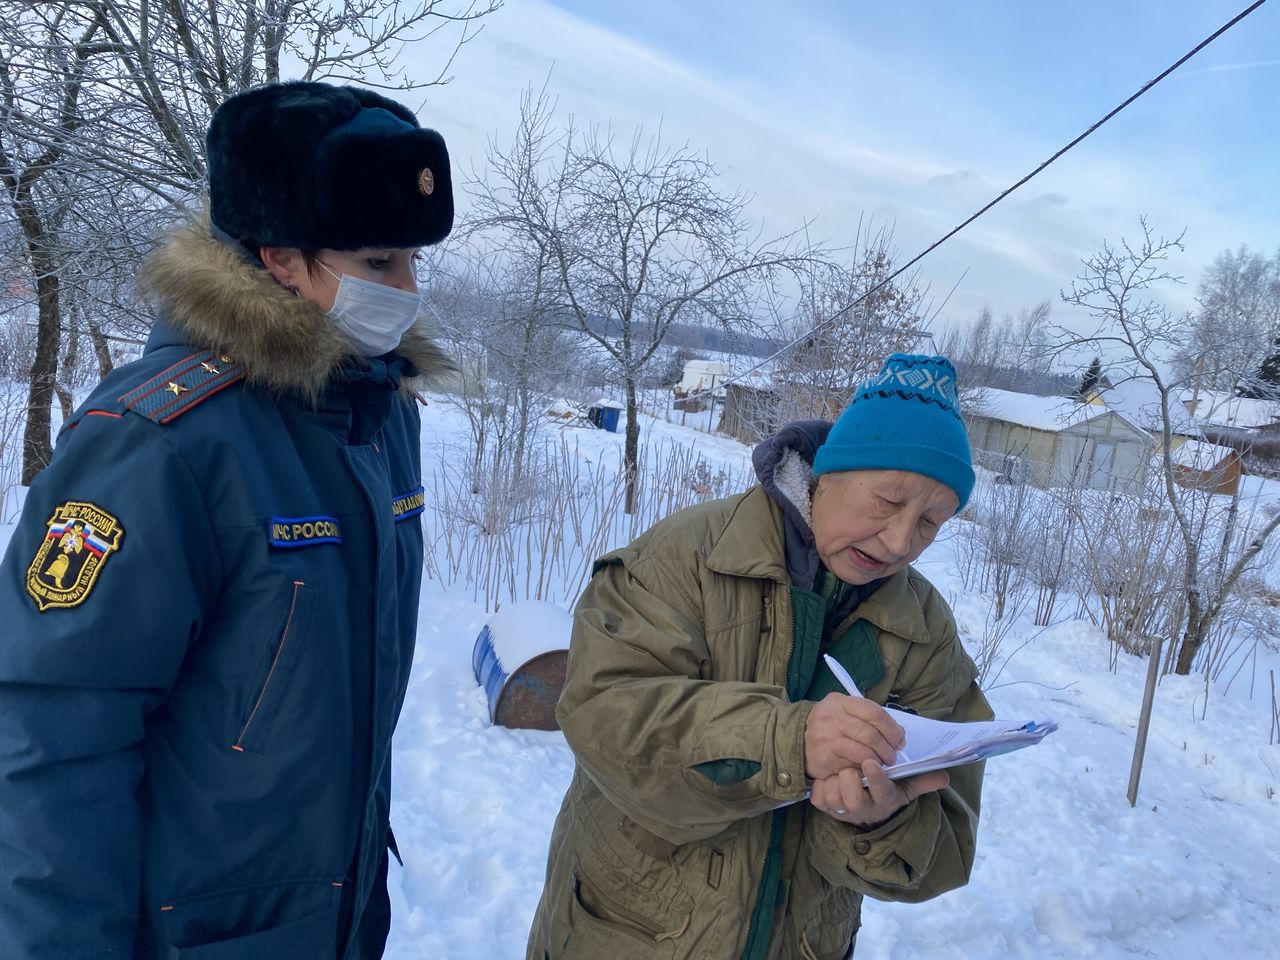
(519,659)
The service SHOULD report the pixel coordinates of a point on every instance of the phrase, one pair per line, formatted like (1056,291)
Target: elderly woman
(198,703)
(717,810)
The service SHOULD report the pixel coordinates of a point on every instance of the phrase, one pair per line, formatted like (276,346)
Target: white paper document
(938,744)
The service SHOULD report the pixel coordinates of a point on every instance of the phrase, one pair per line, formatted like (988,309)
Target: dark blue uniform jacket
(208,610)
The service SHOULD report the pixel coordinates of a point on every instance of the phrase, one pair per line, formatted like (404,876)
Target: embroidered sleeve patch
(81,537)
(291,532)
(409,504)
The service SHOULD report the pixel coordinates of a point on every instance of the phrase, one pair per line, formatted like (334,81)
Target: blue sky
(917,114)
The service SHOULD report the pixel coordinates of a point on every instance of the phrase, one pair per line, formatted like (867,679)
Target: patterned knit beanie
(907,417)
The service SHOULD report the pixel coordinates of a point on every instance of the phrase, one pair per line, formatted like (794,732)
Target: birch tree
(1238,315)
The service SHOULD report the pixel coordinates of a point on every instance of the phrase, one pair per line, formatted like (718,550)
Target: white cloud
(791,135)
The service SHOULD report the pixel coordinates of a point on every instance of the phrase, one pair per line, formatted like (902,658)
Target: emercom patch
(80,538)
(292,532)
(409,504)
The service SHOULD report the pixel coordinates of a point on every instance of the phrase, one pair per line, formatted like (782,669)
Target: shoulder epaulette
(183,386)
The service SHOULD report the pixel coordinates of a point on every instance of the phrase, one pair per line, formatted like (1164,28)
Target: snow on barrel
(519,659)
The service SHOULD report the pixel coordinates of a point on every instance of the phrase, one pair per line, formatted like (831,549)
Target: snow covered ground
(1065,867)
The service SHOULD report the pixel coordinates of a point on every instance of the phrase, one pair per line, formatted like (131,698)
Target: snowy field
(1065,869)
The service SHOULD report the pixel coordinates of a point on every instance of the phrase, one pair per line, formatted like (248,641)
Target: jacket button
(784,779)
(862,847)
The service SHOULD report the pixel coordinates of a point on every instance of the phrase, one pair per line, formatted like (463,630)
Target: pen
(842,675)
(851,688)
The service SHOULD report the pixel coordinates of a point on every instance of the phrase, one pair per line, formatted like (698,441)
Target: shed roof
(1201,455)
(1225,410)
(1029,410)
(1138,400)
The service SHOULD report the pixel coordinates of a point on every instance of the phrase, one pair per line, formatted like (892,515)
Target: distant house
(1206,466)
(751,412)
(700,385)
(1250,427)
(1138,400)
(704,376)
(1199,462)
(1054,441)
(759,405)
(1225,412)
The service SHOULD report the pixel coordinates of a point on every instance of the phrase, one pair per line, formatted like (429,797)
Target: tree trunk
(101,350)
(631,450)
(1191,642)
(524,399)
(37,439)
(66,400)
(62,386)
(1193,636)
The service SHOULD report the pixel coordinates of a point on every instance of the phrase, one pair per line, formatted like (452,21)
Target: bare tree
(1115,287)
(974,349)
(493,312)
(1015,353)
(639,236)
(103,105)
(848,320)
(1238,316)
(1029,346)
(44,67)
(1129,557)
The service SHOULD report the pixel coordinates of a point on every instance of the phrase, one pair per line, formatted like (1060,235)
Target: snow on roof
(1029,410)
(1200,455)
(1226,410)
(757,380)
(1137,399)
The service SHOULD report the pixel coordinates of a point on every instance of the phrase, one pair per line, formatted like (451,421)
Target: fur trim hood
(216,299)
(784,465)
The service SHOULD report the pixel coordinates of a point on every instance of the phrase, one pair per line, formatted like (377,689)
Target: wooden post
(1144,719)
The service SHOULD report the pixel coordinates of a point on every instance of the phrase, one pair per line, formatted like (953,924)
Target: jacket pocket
(807,952)
(833,931)
(604,926)
(296,921)
(278,664)
(308,938)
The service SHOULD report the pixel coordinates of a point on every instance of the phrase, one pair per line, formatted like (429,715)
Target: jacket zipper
(786,666)
(768,831)
(275,662)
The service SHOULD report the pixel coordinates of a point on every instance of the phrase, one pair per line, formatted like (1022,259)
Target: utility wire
(947,236)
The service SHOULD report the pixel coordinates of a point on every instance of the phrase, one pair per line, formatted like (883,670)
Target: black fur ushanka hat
(313,165)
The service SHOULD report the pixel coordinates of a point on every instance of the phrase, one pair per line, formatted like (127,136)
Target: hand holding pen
(848,741)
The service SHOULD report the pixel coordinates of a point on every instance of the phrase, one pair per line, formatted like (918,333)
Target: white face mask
(372,315)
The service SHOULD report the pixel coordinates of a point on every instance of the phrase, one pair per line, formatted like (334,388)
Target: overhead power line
(951,233)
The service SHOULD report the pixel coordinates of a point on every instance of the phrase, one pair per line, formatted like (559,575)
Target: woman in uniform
(197,719)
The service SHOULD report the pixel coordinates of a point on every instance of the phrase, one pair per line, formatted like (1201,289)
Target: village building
(1056,441)
(1201,465)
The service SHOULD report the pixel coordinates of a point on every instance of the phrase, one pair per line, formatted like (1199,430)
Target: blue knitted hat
(907,417)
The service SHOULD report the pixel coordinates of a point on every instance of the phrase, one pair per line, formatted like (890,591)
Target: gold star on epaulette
(176,388)
(209,367)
